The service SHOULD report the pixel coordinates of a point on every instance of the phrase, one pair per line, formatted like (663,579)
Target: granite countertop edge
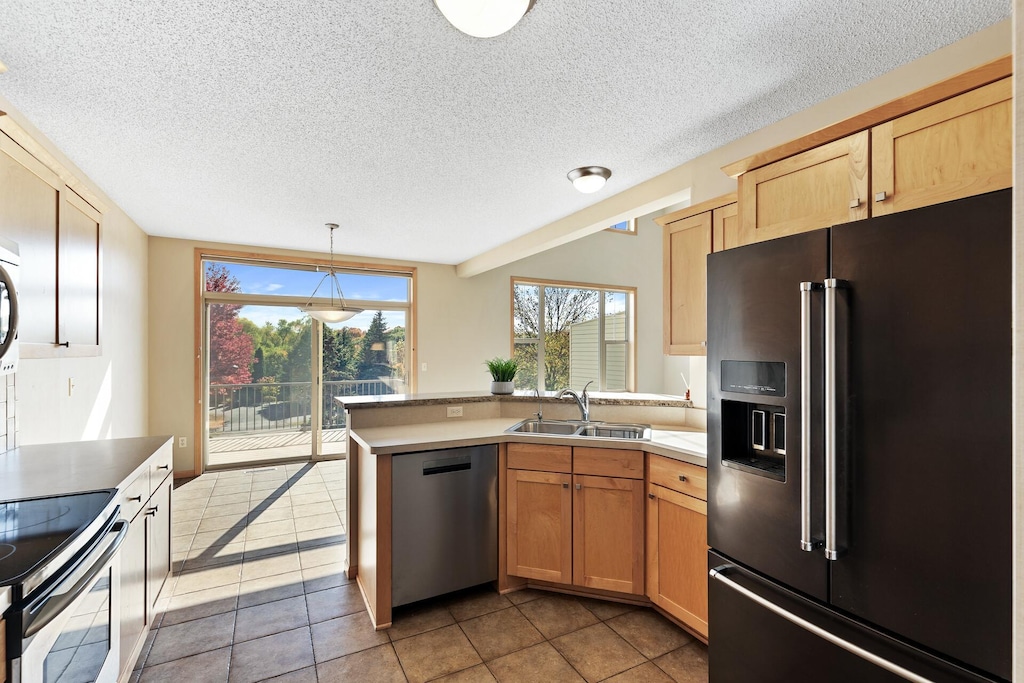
(437,435)
(400,400)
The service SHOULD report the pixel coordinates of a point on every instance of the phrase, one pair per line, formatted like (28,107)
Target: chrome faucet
(583,401)
(540,409)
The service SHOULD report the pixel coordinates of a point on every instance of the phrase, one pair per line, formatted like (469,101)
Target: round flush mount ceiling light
(589,179)
(483,18)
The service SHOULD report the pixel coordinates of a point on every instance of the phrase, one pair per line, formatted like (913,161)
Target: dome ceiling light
(337,310)
(588,179)
(483,18)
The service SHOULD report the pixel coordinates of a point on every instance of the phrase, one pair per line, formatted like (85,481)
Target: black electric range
(39,536)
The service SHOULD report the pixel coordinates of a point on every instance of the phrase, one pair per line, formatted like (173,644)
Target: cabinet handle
(135,499)
(682,477)
(880,196)
(565,486)
(151,512)
(854,203)
(651,496)
(66,344)
(164,467)
(579,486)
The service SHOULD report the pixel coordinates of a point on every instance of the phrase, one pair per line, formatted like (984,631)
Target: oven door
(71,630)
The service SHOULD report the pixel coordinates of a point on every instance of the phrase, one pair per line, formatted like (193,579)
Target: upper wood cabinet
(954,149)
(951,140)
(689,236)
(59,236)
(824,186)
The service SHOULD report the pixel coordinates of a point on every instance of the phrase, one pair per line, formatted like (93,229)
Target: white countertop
(679,444)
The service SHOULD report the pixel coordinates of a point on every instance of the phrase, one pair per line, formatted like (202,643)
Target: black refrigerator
(859,450)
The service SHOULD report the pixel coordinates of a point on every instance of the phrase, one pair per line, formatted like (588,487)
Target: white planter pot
(502,387)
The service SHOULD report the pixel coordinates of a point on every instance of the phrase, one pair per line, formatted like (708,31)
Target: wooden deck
(234,449)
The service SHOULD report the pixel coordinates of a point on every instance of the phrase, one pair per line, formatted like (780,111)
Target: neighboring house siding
(584,353)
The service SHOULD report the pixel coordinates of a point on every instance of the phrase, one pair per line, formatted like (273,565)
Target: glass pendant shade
(483,18)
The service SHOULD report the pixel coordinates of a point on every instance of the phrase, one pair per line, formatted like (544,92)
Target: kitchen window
(626,227)
(567,334)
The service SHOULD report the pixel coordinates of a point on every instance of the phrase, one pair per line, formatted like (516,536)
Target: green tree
(373,352)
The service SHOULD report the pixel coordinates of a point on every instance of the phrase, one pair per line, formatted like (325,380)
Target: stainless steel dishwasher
(444,521)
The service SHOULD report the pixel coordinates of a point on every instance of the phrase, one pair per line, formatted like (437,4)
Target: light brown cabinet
(539,518)
(689,236)
(584,529)
(954,148)
(677,571)
(59,237)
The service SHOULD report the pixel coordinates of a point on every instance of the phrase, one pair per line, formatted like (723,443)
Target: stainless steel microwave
(10,262)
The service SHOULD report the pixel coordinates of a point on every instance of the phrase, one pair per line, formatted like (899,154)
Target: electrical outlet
(423,368)
(454,411)
(182,441)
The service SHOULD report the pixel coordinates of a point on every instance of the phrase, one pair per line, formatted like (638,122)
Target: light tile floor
(259,594)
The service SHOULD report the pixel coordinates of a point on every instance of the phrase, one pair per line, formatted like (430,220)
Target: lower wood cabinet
(608,534)
(133,589)
(584,529)
(539,513)
(158,563)
(677,565)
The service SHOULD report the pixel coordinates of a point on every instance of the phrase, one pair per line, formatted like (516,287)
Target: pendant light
(483,18)
(337,311)
(588,179)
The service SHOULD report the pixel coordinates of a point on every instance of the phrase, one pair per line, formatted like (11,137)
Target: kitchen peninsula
(543,485)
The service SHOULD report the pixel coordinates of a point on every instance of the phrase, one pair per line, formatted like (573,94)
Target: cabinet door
(608,534)
(29,197)
(954,149)
(687,244)
(824,186)
(677,568)
(79,277)
(133,588)
(539,518)
(158,566)
(725,228)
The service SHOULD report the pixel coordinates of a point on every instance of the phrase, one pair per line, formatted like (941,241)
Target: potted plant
(503,372)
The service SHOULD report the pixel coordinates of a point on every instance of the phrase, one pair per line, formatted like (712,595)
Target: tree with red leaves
(231,350)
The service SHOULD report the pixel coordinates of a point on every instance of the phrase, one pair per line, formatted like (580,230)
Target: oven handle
(44,609)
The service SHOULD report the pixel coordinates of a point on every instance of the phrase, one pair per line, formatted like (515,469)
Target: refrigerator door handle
(832,550)
(806,288)
(718,574)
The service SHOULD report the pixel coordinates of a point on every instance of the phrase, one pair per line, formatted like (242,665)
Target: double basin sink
(587,430)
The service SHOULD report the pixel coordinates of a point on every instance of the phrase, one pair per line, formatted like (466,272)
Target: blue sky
(266,280)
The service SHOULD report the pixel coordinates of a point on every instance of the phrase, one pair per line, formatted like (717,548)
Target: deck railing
(283,406)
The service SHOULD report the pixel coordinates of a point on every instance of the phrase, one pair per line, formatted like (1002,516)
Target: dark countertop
(53,469)
(596,398)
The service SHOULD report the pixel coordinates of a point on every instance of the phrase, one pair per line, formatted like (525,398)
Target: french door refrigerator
(859,450)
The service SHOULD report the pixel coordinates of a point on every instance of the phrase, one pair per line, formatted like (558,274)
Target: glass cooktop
(34,531)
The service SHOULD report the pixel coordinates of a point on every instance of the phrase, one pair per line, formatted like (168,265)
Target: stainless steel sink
(545,427)
(587,430)
(616,431)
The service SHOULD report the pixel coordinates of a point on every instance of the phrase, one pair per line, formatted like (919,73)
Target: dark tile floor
(260,595)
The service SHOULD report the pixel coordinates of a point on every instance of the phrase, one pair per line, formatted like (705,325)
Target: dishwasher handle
(457,464)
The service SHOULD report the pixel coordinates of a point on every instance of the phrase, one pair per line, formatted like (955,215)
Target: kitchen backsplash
(8,413)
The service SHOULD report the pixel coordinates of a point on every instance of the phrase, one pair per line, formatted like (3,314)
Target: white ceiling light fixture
(588,179)
(337,311)
(484,18)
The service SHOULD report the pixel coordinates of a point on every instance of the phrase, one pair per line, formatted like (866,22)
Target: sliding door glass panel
(260,384)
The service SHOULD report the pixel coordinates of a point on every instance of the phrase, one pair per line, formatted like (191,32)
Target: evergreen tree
(373,352)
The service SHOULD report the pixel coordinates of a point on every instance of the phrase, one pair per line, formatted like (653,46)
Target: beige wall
(111,391)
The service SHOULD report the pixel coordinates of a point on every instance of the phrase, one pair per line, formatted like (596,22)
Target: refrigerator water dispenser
(754,438)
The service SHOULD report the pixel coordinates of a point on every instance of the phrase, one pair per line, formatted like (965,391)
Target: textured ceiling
(257,122)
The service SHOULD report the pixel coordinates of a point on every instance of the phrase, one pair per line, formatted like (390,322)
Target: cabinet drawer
(540,457)
(608,462)
(160,466)
(135,496)
(679,476)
